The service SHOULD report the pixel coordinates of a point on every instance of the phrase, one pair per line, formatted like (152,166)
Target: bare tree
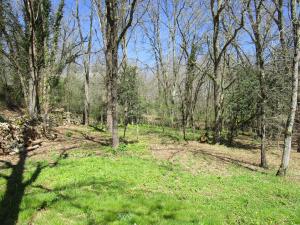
(114,33)
(260,23)
(218,9)
(279,20)
(294,4)
(86,60)
(153,32)
(193,78)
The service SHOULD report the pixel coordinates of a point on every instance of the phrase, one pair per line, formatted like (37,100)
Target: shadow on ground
(241,145)
(229,159)
(16,186)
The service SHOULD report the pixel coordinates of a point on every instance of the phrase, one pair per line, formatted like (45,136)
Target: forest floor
(154,177)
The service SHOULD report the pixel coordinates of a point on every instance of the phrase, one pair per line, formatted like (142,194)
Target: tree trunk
(108,101)
(291,117)
(263,158)
(86,99)
(297,124)
(33,82)
(86,120)
(114,100)
(24,88)
(218,98)
(86,62)
(46,99)
(33,97)
(87,73)
(183,120)
(112,70)
(125,119)
(206,112)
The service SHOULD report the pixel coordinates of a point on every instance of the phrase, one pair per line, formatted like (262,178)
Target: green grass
(166,134)
(124,187)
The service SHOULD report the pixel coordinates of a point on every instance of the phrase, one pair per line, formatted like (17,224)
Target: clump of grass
(122,148)
(69,134)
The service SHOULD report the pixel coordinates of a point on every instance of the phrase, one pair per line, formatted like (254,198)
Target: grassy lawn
(131,187)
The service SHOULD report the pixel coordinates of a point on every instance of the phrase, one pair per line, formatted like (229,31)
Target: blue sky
(136,48)
(139,48)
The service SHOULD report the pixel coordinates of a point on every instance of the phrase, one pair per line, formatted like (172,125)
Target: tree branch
(132,8)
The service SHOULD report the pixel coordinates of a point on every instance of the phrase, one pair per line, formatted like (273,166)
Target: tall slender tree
(295,16)
(260,23)
(86,60)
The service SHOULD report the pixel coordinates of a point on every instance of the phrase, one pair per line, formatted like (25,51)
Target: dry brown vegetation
(199,157)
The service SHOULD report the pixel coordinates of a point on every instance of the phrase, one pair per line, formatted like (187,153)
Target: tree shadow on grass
(113,214)
(63,194)
(173,136)
(96,128)
(127,141)
(83,136)
(103,142)
(16,187)
(227,159)
(241,145)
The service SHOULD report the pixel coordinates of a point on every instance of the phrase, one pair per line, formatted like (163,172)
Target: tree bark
(87,98)
(206,111)
(114,97)
(217,106)
(125,119)
(33,99)
(112,69)
(46,101)
(263,158)
(87,63)
(108,101)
